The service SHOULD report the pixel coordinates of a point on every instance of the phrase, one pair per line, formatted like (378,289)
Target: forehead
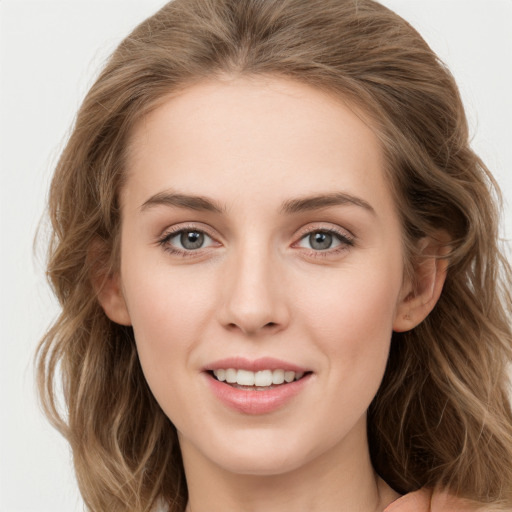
(265,133)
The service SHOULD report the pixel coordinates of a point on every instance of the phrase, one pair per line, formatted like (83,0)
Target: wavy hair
(442,416)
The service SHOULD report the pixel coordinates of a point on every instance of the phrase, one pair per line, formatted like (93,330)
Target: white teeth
(231,375)
(245,378)
(220,374)
(277,376)
(262,378)
(289,376)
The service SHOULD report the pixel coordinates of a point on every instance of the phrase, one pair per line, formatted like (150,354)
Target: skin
(258,288)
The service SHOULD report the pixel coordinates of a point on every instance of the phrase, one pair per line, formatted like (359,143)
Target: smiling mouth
(262,380)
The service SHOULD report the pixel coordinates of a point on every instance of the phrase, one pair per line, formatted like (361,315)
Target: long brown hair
(442,416)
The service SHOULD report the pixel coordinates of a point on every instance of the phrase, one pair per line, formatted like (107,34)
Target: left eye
(188,240)
(321,240)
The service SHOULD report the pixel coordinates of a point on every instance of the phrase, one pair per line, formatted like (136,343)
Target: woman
(278,266)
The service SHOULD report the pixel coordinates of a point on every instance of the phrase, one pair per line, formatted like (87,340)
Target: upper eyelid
(299,234)
(332,228)
(174,230)
(304,230)
(345,241)
(164,242)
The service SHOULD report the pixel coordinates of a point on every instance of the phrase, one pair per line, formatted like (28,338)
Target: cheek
(354,298)
(168,312)
(162,299)
(352,322)
(352,329)
(166,325)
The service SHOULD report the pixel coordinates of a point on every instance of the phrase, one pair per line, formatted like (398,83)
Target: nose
(254,293)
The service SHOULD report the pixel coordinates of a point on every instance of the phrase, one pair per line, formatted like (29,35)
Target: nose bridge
(253,295)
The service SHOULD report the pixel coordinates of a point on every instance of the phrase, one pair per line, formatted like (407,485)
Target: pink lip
(255,402)
(263,363)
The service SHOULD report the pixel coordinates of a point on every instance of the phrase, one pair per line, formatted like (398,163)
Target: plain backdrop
(50,53)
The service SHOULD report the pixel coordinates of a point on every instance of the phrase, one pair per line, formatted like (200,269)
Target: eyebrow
(318,202)
(302,204)
(198,203)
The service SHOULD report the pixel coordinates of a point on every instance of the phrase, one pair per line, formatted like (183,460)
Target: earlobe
(421,295)
(107,285)
(111,299)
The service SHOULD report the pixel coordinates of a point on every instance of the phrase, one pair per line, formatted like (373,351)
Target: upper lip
(255,365)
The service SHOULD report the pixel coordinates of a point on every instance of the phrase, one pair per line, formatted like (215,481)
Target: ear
(107,285)
(421,292)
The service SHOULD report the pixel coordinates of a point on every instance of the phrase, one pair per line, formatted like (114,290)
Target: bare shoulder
(446,502)
(427,500)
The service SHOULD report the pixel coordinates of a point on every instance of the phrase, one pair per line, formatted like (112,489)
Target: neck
(342,480)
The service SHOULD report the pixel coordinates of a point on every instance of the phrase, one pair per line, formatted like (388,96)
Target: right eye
(186,240)
(320,240)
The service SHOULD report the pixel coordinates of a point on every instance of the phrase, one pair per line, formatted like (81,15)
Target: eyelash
(346,242)
(164,241)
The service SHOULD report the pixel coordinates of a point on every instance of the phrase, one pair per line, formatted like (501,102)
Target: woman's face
(260,240)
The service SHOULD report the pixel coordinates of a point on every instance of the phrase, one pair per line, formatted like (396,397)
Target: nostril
(269,325)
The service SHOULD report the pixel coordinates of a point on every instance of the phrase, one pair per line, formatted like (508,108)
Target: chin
(252,451)
(261,454)
(260,464)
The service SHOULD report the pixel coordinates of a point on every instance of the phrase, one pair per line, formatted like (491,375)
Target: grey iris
(191,239)
(320,241)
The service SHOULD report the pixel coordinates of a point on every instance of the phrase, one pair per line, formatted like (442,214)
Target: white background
(50,53)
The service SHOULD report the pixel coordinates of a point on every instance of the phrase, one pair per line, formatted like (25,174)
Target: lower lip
(254,401)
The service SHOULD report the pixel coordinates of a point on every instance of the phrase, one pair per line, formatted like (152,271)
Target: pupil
(320,241)
(192,239)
